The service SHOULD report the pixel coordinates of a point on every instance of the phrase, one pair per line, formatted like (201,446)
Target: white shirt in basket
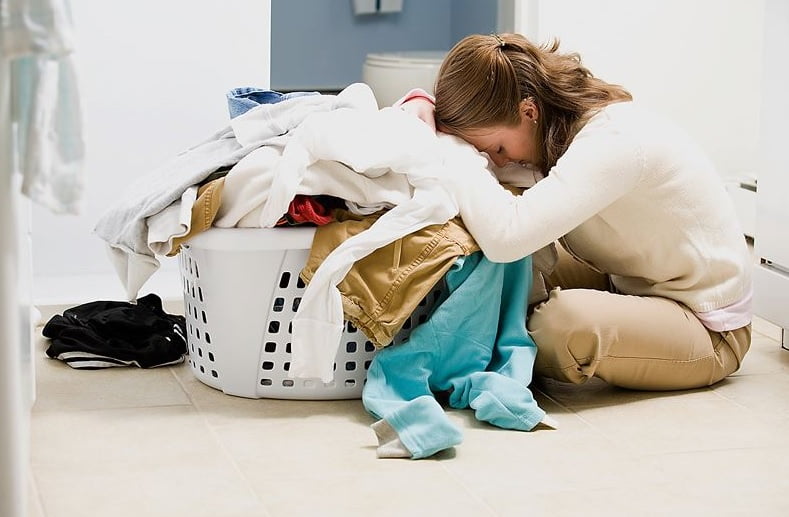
(375,144)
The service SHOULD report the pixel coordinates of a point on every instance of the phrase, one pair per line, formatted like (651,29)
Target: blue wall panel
(322,44)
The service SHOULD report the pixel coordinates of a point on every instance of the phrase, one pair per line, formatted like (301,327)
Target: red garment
(304,210)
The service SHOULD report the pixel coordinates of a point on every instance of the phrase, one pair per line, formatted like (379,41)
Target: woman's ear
(529,110)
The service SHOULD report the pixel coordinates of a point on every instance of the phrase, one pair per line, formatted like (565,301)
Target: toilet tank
(392,74)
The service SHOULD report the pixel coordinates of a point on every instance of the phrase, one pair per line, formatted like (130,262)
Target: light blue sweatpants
(474,345)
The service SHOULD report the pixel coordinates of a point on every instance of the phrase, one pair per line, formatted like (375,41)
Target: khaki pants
(647,343)
(381,291)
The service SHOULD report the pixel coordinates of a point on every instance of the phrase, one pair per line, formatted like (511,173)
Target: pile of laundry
(387,232)
(249,173)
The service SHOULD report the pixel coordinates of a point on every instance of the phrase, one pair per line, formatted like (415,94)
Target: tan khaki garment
(204,210)
(648,343)
(382,290)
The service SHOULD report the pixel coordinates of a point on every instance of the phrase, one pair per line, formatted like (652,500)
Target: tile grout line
(221,445)
(754,414)
(573,411)
(552,399)
(706,451)
(37,499)
(468,490)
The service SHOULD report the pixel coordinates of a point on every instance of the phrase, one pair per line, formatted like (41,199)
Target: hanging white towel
(45,120)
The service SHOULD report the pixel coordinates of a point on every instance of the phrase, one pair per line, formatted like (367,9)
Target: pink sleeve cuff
(416,93)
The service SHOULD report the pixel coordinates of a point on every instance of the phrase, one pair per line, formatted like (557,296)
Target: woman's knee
(565,335)
(563,312)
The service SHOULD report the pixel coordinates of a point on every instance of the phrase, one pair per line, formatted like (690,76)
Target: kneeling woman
(652,289)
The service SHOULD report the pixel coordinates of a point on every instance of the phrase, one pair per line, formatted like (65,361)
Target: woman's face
(508,144)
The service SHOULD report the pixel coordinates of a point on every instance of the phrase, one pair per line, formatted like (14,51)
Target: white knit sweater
(633,197)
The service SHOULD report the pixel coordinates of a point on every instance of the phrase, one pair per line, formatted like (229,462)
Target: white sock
(389,444)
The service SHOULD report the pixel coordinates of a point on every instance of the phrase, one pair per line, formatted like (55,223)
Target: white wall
(154,74)
(699,62)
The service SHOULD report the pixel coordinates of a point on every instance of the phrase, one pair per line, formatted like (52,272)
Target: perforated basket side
(226,314)
(353,354)
(239,307)
(200,347)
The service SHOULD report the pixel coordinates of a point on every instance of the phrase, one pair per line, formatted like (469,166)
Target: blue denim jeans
(241,100)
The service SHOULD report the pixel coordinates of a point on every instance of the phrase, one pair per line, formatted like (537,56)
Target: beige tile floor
(149,443)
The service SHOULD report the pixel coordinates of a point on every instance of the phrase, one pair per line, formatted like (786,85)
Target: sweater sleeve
(416,93)
(599,166)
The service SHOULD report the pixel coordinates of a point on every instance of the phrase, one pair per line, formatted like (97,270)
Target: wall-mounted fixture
(377,6)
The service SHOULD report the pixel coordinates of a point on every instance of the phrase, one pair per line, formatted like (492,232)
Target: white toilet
(392,74)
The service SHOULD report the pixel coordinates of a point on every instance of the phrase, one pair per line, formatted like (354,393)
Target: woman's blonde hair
(483,80)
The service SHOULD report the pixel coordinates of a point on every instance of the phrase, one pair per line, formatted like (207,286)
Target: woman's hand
(423,109)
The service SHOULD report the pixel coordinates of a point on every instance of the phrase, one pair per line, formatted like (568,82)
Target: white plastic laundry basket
(241,290)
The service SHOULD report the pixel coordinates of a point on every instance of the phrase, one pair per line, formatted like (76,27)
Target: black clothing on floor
(105,333)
